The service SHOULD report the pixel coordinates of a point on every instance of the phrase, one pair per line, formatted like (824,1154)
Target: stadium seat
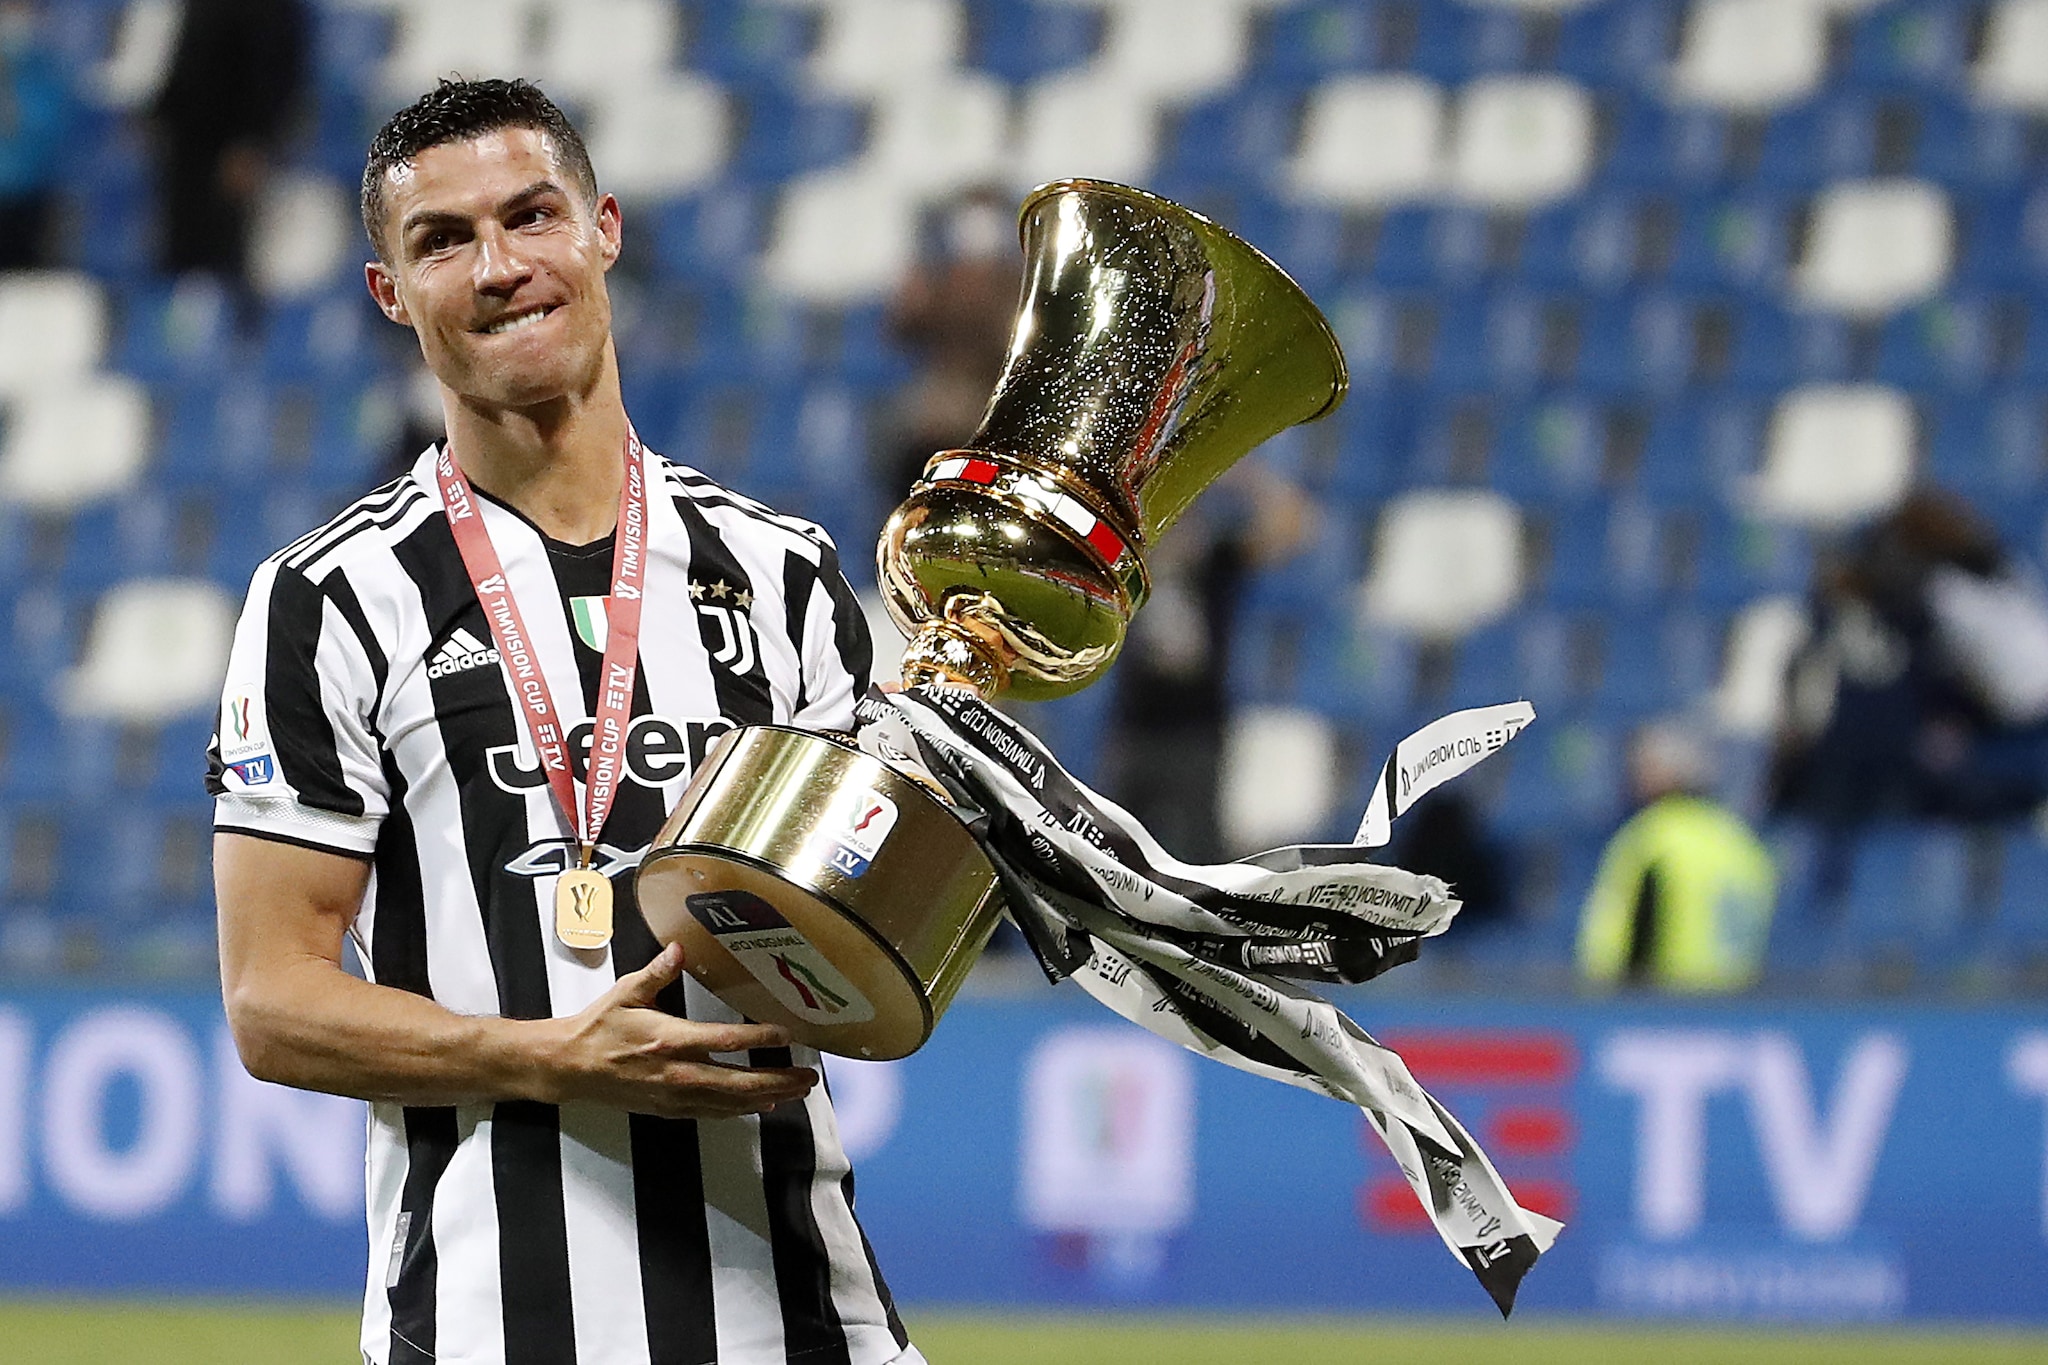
(589,49)
(867,48)
(2012,70)
(1521,141)
(840,238)
(1444,563)
(657,137)
(939,136)
(157,649)
(1174,50)
(1749,700)
(437,37)
(53,330)
(2016,939)
(1370,141)
(1837,455)
(305,237)
(144,38)
(1279,780)
(1906,902)
(1875,246)
(73,443)
(1085,124)
(1750,54)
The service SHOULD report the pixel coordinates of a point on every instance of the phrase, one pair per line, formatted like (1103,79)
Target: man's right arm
(299,1019)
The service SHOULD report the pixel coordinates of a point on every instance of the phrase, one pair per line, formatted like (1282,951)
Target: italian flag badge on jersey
(589,614)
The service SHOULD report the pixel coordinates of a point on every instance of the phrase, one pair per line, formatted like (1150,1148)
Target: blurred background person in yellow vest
(1683,896)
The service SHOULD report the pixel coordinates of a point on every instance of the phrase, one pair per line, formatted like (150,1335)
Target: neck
(560,463)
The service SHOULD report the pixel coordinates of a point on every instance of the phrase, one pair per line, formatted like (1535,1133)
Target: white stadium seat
(1836,455)
(158,648)
(1371,141)
(69,444)
(1445,562)
(144,40)
(471,38)
(306,234)
(661,138)
(1080,123)
(589,48)
(2013,69)
(1520,142)
(868,47)
(841,238)
(1279,780)
(1175,49)
(1750,699)
(1750,54)
(937,137)
(53,329)
(1875,246)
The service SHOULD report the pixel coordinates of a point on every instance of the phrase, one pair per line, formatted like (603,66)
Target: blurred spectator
(1171,704)
(1444,836)
(953,315)
(1923,690)
(37,110)
(228,100)
(1683,896)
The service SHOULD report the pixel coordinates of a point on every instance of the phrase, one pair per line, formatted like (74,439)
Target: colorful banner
(1817,1164)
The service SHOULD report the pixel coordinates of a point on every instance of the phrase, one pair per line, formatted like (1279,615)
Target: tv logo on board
(864,824)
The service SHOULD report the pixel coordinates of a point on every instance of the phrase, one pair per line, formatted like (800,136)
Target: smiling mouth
(517,321)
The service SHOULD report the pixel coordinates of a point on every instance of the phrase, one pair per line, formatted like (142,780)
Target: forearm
(311,1025)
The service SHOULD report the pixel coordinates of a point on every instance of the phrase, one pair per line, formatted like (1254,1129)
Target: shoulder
(371,525)
(736,514)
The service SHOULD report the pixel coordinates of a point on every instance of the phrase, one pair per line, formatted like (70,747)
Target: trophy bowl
(1151,351)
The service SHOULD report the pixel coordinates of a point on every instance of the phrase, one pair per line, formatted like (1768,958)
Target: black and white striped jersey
(365,712)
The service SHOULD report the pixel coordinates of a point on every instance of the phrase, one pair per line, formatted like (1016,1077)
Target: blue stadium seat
(1306,43)
(1022,41)
(1918,46)
(1549,450)
(737,40)
(1907,893)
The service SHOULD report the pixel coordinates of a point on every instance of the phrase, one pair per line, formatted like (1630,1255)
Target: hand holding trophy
(813,886)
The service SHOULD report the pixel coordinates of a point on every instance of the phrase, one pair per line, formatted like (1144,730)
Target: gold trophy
(814,886)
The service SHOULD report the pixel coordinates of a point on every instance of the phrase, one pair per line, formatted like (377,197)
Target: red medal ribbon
(522,666)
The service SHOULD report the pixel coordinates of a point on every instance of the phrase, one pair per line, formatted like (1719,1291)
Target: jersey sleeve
(832,640)
(295,755)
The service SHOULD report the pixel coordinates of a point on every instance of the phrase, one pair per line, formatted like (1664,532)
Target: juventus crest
(729,610)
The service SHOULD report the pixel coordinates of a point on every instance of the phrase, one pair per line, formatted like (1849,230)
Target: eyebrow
(420,218)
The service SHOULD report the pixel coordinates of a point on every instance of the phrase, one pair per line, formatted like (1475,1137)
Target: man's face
(498,265)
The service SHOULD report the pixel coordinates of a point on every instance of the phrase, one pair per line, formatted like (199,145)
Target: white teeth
(513,324)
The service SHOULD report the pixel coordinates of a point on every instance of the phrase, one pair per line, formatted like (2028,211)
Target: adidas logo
(460,653)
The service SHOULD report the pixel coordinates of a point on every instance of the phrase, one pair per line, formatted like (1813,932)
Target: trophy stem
(951,654)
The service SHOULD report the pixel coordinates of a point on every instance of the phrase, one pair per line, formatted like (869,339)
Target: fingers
(709,1090)
(688,1035)
(639,988)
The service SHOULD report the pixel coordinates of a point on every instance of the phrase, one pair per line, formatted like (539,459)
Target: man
(1683,896)
(576,1155)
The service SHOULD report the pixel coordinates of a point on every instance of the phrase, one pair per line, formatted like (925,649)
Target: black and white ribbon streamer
(1210,956)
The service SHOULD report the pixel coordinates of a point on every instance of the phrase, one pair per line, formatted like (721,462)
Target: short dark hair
(456,111)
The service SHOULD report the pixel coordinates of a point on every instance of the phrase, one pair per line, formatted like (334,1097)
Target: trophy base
(815,888)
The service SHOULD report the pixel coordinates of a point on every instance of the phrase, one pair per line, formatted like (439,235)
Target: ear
(383,287)
(611,240)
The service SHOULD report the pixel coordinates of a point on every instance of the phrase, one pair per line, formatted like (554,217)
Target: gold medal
(583,908)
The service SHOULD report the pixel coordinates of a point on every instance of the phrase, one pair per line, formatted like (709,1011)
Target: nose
(500,266)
